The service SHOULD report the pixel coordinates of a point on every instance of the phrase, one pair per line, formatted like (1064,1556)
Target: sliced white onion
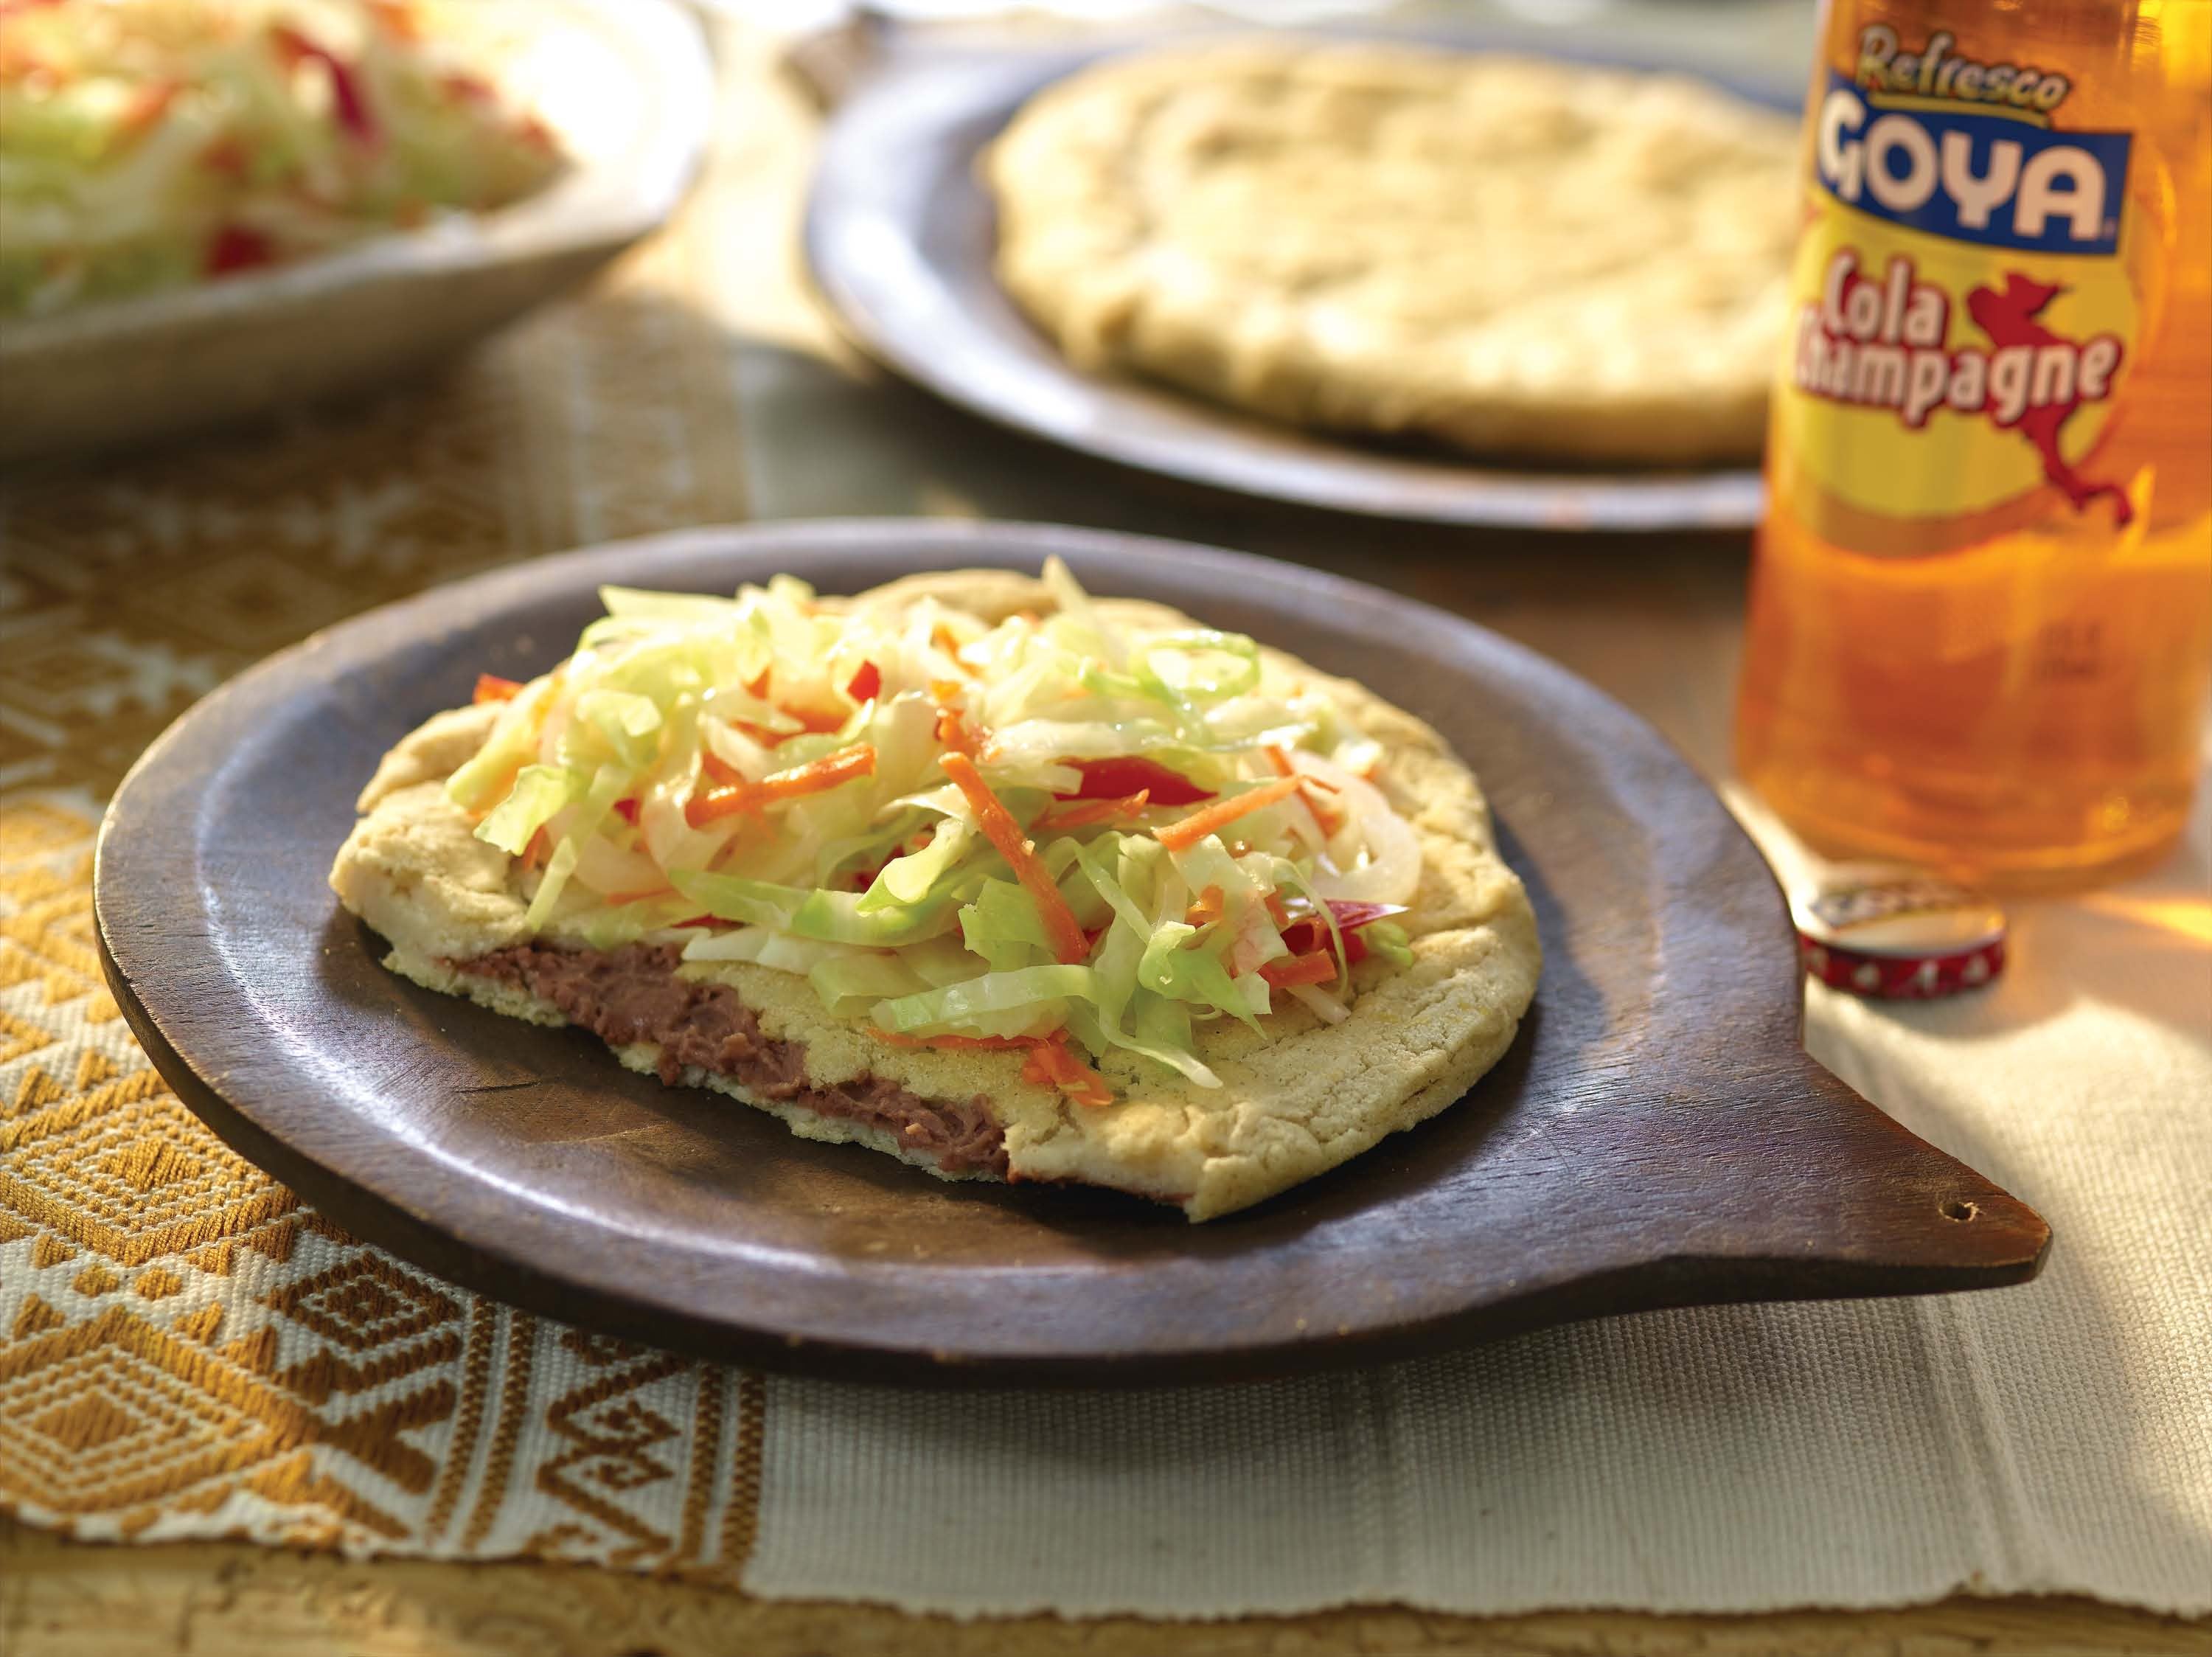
(1326,1007)
(1391,872)
(1358,754)
(902,730)
(1042,740)
(947,802)
(1254,940)
(605,867)
(734,748)
(661,820)
(1053,779)
(730,704)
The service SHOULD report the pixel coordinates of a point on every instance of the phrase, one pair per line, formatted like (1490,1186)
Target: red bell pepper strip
(346,100)
(237,248)
(1310,933)
(1113,779)
(1319,967)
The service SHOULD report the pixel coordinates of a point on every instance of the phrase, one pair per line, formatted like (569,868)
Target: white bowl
(627,89)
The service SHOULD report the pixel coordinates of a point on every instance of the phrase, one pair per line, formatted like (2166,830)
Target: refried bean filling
(633,994)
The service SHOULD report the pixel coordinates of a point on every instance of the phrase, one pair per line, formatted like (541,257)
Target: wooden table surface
(1656,622)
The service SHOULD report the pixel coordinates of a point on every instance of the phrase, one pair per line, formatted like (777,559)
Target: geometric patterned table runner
(184,1347)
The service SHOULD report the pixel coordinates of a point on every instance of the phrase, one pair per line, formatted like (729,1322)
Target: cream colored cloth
(188,1352)
(2055,1438)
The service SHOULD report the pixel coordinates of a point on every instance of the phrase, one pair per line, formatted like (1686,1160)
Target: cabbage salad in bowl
(148,145)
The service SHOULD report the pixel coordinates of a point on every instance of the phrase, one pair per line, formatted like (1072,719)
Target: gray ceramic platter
(900,235)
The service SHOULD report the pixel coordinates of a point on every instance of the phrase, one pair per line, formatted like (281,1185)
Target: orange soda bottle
(1981,612)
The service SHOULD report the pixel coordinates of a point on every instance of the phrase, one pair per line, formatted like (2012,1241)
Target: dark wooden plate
(900,233)
(1656,1137)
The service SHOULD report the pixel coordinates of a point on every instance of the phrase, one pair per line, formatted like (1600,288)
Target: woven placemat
(184,1347)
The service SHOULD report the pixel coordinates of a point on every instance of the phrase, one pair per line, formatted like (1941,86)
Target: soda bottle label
(1963,316)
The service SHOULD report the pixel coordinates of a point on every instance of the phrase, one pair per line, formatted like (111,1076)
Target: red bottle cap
(1890,932)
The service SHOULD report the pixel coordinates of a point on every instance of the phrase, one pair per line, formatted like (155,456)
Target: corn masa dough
(1494,254)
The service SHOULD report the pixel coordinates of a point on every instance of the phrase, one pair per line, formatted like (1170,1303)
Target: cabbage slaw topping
(1059,833)
(150,143)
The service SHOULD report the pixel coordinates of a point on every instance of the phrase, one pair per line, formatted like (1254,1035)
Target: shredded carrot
(148,104)
(865,685)
(490,687)
(952,732)
(1051,1060)
(1277,911)
(943,638)
(952,724)
(397,20)
(1319,967)
(539,849)
(731,792)
(719,769)
(1207,909)
(1325,821)
(1083,812)
(1000,829)
(1182,835)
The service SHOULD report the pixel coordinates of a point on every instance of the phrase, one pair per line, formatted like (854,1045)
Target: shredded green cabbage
(760,777)
(832,916)
(539,792)
(1388,939)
